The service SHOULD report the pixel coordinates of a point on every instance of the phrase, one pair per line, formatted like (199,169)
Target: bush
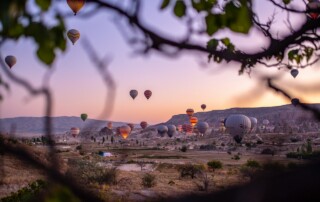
(214,164)
(148,180)
(190,170)
(184,148)
(79,147)
(236,157)
(267,151)
(253,164)
(207,147)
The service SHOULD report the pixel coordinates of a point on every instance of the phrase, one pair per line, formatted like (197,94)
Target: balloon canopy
(76,5)
(147,94)
(84,117)
(10,61)
(133,93)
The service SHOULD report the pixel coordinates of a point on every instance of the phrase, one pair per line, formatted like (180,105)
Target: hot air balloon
(133,93)
(238,125)
(131,125)
(75,131)
(76,5)
(118,132)
(313,5)
(179,128)
(295,101)
(294,73)
(187,128)
(162,130)
(73,35)
(125,131)
(147,94)
(202,127)
(203,106)
(193,120)
(190,112)
(254,122)
(265,122)
(109,125)
(171,130)
(143,124)
(10,60)
(84,116)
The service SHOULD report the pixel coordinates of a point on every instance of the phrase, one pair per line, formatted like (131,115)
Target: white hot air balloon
(265,122)
(254,122)
(238,125)
(171,130)
(202,127)
(162,130)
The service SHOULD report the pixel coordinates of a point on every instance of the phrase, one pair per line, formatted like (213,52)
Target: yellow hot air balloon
(73,35)
(76,5)
(125,131)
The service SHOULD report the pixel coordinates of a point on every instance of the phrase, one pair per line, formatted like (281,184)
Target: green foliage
(148,180)
(304,155)
(49,39)
(190,170)
(214,164)
(286,1)
(28,193)
(180,8)
(164,4)
(253,164)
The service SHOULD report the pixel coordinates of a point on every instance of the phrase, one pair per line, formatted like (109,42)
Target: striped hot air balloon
(143,124)
(10,60)
(73,35)
(238,125)
(147,94)
(187,128)
(193,120)
(313,5)
(125,131)
(190,112)
(76,5)
(75,131)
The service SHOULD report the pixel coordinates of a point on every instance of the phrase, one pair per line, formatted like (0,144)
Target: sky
(177,83)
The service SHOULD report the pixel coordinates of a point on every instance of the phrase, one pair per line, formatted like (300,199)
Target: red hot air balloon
(193,120)
(125,131)
(143,124)
(313,5)
(148,94)
(203,106)
(190,112)
(75,131)
(187,128)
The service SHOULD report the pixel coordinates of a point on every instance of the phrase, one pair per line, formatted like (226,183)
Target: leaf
(213,23)
(225,41)
(44,4)
(212,44)
(286,1)
(308,53)
(292,53)
(46,55)
(180,8)
(239,19)
(164,4)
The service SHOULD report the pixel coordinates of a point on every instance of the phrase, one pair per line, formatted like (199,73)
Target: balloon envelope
(190,112)
(125,131)
(109,125)
(162,130)
(84,116)
(193,120)
(10,60)
(254,122)
(73,35)
(203,106)
(147,94)
(75,131)
(187,128)
(76,5)
(294,73)
(171,130)
(143,124)
(314,4)
(131,125)
(202,127)
(265,122)
(238,125)
(133,93)
(295,101)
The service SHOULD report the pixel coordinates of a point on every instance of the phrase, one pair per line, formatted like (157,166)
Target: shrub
(190,170)
(267,151)
(236,157)
(79,147)
(184,148)
(148,180)
(207,147)
(214,164)
(253,164)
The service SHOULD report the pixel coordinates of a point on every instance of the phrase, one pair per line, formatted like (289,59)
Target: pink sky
(177,84)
